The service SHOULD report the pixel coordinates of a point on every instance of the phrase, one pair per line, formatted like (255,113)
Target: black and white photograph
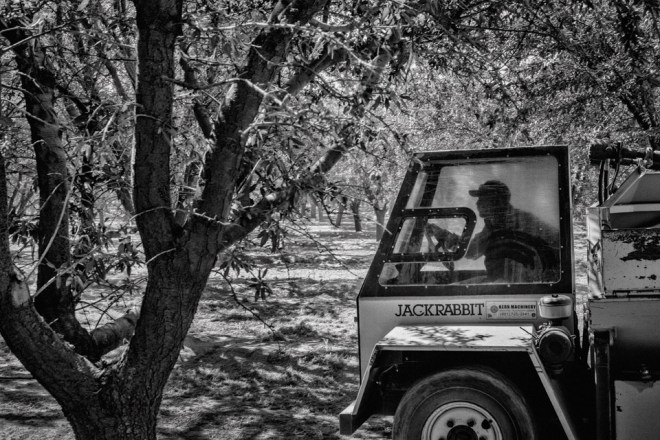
(329,219)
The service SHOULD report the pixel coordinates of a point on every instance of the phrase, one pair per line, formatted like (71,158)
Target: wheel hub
(461,421)
(462,432)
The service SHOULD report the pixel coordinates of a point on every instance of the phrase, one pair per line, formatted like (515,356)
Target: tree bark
(223,164)
(312,207)
(69,377)
(319,208)
(380,221)
(355,209)
(341,207)
(181,258)
(54,300)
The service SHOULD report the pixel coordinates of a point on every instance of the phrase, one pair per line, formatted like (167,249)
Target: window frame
(427,161)
(435,213)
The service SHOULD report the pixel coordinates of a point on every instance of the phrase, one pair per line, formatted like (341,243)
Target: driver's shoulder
(523,218)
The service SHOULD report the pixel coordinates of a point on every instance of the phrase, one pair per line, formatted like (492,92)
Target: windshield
(513,207)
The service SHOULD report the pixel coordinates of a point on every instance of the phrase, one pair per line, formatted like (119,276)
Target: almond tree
(122,400)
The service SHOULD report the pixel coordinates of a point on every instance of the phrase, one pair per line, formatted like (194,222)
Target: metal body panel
(556,396)
(624,239)
(358,411)
(638,208)
(601,360)
(640,187)
(378,316)
(595,220)
(636,334)
(624,290)
(631,260)
(460,338)
(487,338)
(636,415)
(457,337)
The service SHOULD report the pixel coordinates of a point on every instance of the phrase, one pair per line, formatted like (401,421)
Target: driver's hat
(491,188)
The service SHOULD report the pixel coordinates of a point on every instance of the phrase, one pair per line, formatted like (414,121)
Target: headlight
(555,346)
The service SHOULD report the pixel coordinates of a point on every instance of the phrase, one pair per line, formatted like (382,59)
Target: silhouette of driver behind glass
(512,240)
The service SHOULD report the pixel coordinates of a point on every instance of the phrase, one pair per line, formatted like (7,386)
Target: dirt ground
(236,377)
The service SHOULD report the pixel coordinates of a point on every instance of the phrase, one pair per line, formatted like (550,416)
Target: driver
(501,220)
(494,206)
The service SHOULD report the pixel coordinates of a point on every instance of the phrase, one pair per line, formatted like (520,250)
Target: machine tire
(445,404)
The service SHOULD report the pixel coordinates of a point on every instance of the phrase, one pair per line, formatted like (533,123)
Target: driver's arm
(442,236)
(477,245)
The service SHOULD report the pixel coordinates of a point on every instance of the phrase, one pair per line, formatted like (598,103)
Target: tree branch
(242,103)
(50,360)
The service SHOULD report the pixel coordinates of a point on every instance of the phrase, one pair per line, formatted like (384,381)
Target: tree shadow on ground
(25,406)
(237,379)
(290,383)
(263,392)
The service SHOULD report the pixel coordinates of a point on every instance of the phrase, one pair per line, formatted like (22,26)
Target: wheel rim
(461,421)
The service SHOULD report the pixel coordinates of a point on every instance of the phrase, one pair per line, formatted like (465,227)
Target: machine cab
(474,240)
(476,248)
(477,240)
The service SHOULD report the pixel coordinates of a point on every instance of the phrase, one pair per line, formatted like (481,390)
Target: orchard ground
(284,375)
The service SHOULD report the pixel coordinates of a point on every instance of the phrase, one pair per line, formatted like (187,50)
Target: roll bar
(617,155)
(624,156)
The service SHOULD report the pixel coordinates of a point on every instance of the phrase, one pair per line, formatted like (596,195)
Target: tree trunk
(54,300)
(70,378)
(341,207)
(111,415)
(125,402)
(319,208)
(355,209)
(312,207)
(380,221)
(187,190)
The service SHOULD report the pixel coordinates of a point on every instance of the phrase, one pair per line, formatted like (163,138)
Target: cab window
(494,221)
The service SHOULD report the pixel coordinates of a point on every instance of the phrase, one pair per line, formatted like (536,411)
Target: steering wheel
(441,246)
(532,252)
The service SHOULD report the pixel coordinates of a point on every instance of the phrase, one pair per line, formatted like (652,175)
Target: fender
(452,338)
